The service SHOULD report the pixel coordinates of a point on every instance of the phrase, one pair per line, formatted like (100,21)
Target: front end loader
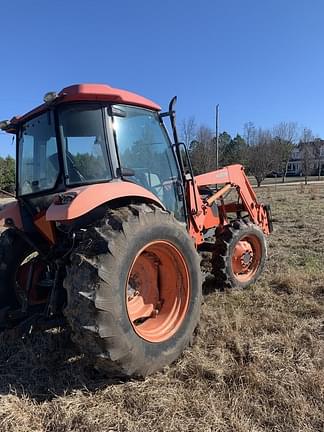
(105,232)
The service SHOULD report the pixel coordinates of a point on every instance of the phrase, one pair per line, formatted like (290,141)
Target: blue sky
(261,60)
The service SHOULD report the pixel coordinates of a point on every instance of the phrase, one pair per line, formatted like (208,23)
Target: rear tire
(135,257)
(240,255)
(13,250)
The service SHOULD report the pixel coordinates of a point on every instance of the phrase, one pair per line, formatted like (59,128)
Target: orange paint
(210,220)
(246,258)
(11,211)
(157,291)
(234,176)
(91,92)
(46,228)
(219,194)
(103,92)
(89,197)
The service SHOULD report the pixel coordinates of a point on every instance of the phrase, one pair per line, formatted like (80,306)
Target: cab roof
(90,92)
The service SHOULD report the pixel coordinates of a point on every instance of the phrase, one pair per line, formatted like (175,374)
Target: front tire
(240,255)
(134,291)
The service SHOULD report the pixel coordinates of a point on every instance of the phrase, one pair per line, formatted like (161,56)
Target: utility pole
(217,134)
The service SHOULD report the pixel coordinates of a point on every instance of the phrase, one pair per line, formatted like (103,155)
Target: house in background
(314,159)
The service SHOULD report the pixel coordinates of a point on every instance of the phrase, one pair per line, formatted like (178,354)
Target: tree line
(7,174)
(261,151)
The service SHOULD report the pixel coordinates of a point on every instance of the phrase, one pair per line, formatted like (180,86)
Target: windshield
(146,155)
(85,150)
(38,160)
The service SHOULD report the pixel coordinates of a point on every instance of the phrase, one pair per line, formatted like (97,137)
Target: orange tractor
(107,224)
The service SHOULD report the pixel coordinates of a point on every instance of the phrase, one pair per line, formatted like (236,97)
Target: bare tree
(317,146)
(261,157)
(201,150)
(188,131)
(250,133)
(307,152)
(284,139)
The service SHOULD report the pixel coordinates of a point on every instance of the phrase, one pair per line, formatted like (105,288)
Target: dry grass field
(256,365)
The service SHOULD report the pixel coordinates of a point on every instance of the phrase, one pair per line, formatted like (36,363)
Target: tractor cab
(81,136)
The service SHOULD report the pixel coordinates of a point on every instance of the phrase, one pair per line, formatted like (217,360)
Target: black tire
(13,250)
(226,242)
(96,280)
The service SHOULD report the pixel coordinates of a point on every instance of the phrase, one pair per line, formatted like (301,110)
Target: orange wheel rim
(157,291)
(246,258)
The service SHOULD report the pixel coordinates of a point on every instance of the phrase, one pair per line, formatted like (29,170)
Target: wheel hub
(157,291)
(242,257)
(246,258)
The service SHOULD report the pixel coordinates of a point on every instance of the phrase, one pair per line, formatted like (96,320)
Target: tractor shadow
(211,285)
(45,365)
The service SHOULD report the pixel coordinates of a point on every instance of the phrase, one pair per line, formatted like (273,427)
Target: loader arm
(231,177)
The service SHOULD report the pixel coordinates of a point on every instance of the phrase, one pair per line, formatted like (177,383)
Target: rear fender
(79,201)
(10,215)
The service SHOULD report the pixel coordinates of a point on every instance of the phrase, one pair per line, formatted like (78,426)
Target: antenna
(217,134)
